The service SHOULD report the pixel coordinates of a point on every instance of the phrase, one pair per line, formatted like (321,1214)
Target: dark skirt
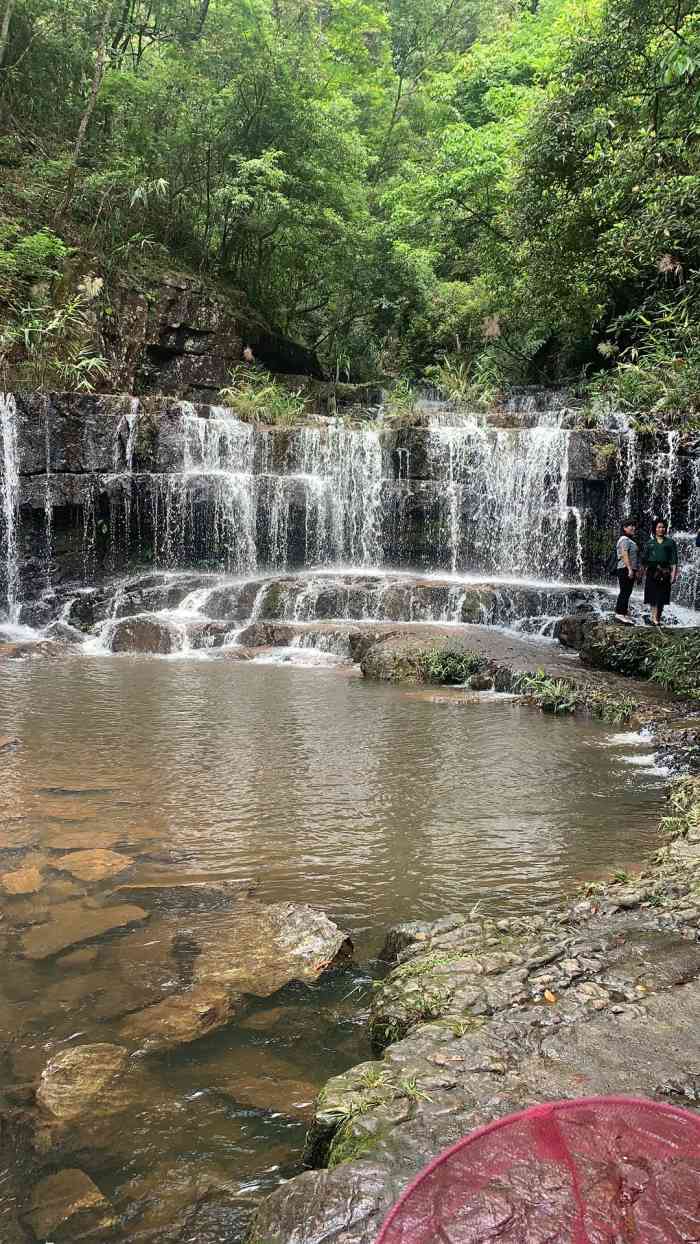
(657,588)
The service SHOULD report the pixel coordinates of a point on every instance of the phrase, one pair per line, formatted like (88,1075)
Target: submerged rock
(85,1096)
(75,1080)
(67,1207)
(73,923)
(181,1018)
(93,865)
(22,881)
(145,634)
(81,840)
(262,947)
(191,1202)
(175,895)
(8,742)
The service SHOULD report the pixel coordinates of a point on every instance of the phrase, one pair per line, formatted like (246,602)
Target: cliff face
(179,336)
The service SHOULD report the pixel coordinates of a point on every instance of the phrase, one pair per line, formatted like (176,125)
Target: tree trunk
(97,77)
(5,29)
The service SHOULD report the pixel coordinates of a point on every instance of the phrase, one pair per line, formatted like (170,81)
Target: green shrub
(677,666)
(40,256)
(552,695)
(444,666)
(256,397)
(400,402)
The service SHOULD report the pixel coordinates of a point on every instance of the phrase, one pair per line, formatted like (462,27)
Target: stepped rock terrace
(95,485)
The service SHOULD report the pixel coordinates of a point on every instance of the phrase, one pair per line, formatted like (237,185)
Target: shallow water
(376,804)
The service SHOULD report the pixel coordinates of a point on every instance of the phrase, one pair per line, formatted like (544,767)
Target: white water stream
(9,501)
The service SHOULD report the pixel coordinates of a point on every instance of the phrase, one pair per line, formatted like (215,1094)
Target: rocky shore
(479,1017)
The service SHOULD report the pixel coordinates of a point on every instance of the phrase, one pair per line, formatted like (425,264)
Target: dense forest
(482,191)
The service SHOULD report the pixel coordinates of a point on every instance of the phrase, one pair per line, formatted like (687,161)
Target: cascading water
(515,495)
(9,496)
(505,505)
(688,589)
(229,508)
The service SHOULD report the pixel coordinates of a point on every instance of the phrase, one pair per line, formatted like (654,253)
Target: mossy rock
(413,659)
(626,650)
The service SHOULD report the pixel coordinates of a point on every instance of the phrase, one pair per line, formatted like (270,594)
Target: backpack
(611,564)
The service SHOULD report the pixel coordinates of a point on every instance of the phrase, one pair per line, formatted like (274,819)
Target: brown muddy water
(374,804)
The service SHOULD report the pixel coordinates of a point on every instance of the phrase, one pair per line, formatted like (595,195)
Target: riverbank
(480,1017)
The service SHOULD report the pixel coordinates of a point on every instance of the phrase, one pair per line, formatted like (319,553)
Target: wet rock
(64,632)
(69,1207)
(481,682)
(22,881)
(346,1204)
(73,923)
(94,865)
(412,933)
(145,634)
(174,1204)
(85,1096)
(410,658)
(74,1079)
(19,650)
(158,591)
(181,1019)
(570,630)
(175,895)
(262,947)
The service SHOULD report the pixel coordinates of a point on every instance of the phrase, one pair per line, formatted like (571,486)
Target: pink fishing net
(604,1170)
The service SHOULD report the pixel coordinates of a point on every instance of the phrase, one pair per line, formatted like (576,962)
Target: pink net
(604,1170)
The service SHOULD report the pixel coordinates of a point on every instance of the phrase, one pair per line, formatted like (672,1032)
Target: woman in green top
(660,560)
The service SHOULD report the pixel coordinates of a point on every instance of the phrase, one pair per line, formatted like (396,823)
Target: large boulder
(435,657)
(623,650)
(181,336)
(259,947)
(145,634)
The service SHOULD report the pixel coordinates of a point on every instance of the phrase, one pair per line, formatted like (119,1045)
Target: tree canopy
(502,191)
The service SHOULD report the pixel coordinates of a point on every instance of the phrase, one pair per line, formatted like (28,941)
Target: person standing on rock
(627,569)
(661,564)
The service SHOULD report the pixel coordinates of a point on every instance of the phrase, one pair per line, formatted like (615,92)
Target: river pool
(376,804)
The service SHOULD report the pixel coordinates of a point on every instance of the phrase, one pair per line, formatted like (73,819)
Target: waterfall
(10,500)
(688,590)
(504,502)
(342,469)
(663,479)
